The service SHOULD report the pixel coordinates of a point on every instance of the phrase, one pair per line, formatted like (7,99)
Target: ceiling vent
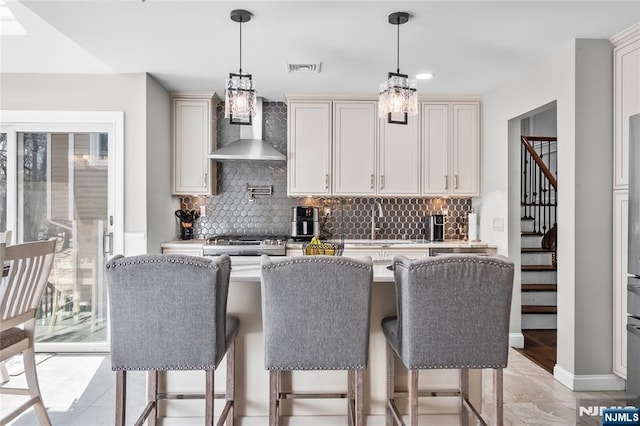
(303,68)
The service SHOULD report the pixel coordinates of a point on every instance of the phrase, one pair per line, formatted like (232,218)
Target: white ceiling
(192,45)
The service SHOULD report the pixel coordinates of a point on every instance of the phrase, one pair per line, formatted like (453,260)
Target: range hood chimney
(250,146)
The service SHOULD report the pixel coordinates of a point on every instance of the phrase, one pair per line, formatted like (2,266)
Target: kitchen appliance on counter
(433,227)
(633,285)
(187,218)
(305,223)
(245,245)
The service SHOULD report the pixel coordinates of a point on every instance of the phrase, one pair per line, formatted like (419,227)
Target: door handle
(456,181)
(104,242)
(372,182)
(326,181)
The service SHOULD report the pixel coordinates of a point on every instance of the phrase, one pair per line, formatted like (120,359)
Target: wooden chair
(5,237)
(29,267)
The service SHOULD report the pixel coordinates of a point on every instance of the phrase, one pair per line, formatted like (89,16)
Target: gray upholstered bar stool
(315,315)
(168,312)
(453,312)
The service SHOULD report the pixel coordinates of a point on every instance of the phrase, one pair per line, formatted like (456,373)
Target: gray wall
(158,141)
(578,77)
(99,92)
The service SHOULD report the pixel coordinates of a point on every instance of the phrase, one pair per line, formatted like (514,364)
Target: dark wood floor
(540,347)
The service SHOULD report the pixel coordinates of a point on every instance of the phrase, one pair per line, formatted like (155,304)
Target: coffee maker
(433,227)
(304,223)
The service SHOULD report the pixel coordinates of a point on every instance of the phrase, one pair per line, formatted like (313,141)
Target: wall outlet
(327,211)
(203,210)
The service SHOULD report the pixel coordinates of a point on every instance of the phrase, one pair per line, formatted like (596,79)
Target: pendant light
(240,92)
(398,95)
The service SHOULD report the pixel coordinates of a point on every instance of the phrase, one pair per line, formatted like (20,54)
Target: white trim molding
(588,382)
(516,340)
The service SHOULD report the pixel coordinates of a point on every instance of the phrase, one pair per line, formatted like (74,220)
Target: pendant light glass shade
(398,94)
(239,98)
(240,92)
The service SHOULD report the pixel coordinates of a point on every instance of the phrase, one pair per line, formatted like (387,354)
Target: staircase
(538,219)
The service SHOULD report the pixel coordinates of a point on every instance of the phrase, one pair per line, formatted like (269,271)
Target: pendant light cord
(398,48)
(240,47)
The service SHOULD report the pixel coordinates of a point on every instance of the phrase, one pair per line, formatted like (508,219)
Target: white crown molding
(626,36)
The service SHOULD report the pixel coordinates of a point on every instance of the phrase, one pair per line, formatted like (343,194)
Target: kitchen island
(252,379)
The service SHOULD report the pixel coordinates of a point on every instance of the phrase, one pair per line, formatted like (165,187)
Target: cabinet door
(626,103)
(620,237)
(399,158)
(415,253)
(309,148)
(354,148)
(193,171)
(435,148)
(465,149)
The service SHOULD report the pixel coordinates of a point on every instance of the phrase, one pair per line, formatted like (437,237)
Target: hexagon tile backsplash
(233,212)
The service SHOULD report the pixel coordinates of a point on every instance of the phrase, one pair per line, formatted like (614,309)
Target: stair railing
(538,182)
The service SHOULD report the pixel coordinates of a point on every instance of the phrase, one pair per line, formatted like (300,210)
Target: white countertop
(250,272)
(419,243)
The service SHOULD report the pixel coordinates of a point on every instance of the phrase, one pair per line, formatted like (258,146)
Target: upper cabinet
(450,148)
(399,161)
(309,148)
(193,137)
(354,148)
(341,147)
(626,100)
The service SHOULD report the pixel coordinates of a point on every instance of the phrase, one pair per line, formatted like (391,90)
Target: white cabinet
(354,148)
(620,237)
(399,158)
(309,148)
(414,253)
(193,138)
(450,148)
(626,101)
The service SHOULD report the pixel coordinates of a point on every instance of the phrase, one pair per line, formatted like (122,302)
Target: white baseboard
(588,382)
(516,340)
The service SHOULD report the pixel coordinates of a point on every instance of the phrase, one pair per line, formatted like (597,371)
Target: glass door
(59,183)
(62,193)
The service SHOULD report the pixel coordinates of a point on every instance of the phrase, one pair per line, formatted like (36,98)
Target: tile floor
(80,390)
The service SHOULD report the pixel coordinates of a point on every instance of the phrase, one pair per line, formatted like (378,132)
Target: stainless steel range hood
(250,146)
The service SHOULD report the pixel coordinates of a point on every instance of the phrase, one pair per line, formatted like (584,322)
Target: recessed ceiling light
(424,76)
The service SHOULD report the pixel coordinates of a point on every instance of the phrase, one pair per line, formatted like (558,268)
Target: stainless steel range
(253,245)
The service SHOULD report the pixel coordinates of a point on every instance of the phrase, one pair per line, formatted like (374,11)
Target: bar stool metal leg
(390,385)
(274,399)
(351,397)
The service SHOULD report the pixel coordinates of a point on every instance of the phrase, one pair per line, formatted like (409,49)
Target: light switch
(498,224)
